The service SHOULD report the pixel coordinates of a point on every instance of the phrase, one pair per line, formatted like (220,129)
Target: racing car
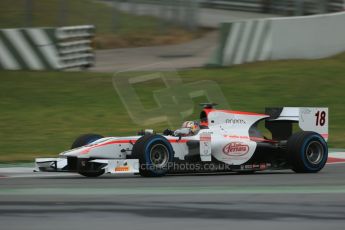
(231,139)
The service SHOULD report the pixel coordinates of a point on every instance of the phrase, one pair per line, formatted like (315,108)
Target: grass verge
(41,113)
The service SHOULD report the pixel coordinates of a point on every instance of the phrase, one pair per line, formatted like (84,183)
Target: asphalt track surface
(192,54)
(265,200)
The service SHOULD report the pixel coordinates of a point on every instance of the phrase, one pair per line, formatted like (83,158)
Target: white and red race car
(223,140)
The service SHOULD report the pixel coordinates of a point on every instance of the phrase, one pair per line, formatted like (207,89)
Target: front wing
(113,166)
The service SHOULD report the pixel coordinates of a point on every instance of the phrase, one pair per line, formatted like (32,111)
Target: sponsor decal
(210,133)
(236,137)
(236,149)
(256,166)
(306,111)
(235,121)
(205,138)
(122,169)
(248,166)
(261,166)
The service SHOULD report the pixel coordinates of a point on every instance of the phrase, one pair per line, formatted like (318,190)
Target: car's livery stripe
(259,139)
(87,150)
(234,112)
(131,141)
(178,141)
(116,142)
(256,139)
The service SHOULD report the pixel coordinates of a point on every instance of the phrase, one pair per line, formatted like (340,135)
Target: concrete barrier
(311,37)
(305,37)
(46,48)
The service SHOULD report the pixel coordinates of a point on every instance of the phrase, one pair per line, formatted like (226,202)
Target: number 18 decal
(320,118)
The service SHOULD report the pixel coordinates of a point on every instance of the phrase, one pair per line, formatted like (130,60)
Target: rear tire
(154,153)
(82,141)
(308,152)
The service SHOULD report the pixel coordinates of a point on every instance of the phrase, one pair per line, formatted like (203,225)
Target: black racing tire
(307,152)
(246,172)
(89,169)
(154,153)
(84,140)
(92,174)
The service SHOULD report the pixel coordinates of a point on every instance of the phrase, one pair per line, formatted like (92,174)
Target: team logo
(122,169)
(235,121)
(236,149)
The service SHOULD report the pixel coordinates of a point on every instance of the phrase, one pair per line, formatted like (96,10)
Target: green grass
(114,28)
(42,112)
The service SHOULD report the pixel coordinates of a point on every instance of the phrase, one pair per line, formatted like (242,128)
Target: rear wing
(308,119)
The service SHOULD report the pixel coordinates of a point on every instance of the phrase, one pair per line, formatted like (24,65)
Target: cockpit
(189,128)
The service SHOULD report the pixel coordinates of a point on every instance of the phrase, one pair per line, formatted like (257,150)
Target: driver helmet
(192,125)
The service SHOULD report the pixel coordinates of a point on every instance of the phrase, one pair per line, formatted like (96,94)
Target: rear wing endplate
(308,118)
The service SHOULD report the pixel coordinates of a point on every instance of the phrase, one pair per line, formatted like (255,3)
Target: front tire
(84,166)
(92,174)
(154,153)
(85,139)
(308,152)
